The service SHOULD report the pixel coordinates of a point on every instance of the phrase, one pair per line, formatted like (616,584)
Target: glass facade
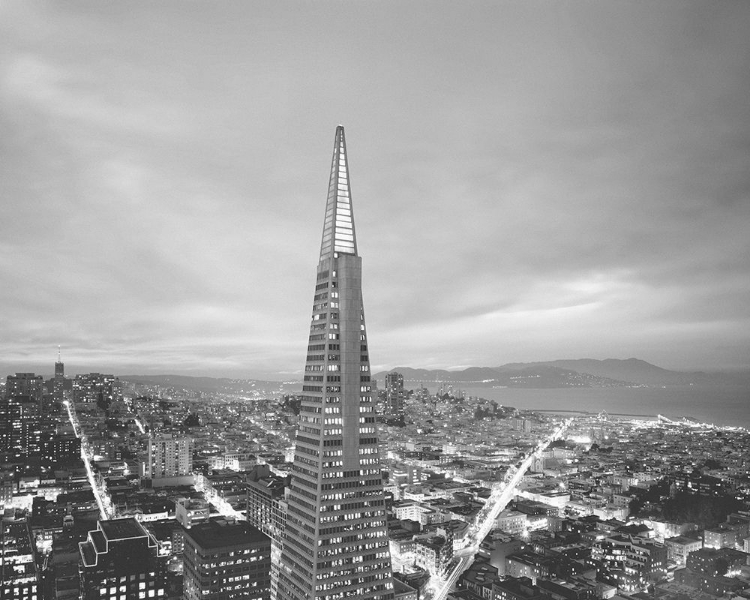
(338,228)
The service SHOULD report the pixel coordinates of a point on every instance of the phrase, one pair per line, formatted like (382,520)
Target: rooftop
(222,533)
(120,529)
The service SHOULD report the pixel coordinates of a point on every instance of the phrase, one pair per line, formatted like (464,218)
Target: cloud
(528,183)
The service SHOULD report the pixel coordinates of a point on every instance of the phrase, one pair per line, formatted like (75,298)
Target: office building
(266,505)
(120,561)
(335,543)
(25,384)
(19,577)
(394,394)
(58,385)
(169,456)
(266,510)
(225,560)
(20,427)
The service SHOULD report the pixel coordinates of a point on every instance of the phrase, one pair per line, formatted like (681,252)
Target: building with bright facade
(169,456)
(335,542)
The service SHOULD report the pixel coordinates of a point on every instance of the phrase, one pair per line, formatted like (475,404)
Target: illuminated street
(103,501)
(502,493)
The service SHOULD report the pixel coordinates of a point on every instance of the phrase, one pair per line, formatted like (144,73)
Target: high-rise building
(120,560)
(266,510)
(20,426)
(58,392)
(226,560)
(335,541)
(25,384)
(394,394)
(169,456)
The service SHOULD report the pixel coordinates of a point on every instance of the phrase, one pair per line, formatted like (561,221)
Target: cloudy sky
(531,181)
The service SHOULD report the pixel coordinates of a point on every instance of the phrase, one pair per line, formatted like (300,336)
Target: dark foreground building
(225,560)
(335,543)
(120,561)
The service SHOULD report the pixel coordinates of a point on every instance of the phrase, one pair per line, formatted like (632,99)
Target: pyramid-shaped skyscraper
(335,544)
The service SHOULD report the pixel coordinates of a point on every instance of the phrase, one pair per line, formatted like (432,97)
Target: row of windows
(352,505)
(355,549)
(302,492)
(352,527)
(307,461)
(345,496)
(342,485)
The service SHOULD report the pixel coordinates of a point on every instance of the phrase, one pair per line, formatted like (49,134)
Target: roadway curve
(501,494)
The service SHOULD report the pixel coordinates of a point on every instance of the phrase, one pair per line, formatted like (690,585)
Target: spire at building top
(338,228)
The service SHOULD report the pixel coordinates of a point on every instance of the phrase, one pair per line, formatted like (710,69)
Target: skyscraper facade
(335,541)
(59,382)
(394,394)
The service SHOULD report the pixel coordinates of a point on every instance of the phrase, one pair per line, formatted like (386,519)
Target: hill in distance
(583,372)
(213,385)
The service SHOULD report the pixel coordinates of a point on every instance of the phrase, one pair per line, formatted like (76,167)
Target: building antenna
(58,353)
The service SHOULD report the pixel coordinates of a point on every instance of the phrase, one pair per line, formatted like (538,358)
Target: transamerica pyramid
(335,544)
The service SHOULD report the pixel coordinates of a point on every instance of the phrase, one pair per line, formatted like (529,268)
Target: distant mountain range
(213,385)
(582,372)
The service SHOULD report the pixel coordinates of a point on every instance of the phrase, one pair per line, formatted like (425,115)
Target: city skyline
(534,182)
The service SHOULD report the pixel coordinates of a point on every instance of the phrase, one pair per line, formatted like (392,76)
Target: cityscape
(548,396)
(119,488)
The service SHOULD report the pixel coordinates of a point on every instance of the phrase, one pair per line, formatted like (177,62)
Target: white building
(168,456)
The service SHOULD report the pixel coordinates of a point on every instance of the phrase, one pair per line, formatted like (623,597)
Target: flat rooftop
(220,533)
(120,529)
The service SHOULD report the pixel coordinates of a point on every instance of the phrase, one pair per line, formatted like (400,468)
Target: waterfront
(721,405)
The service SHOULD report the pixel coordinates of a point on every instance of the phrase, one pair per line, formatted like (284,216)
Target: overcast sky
(530,180)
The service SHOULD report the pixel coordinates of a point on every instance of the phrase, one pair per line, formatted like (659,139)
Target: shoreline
(591,413)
